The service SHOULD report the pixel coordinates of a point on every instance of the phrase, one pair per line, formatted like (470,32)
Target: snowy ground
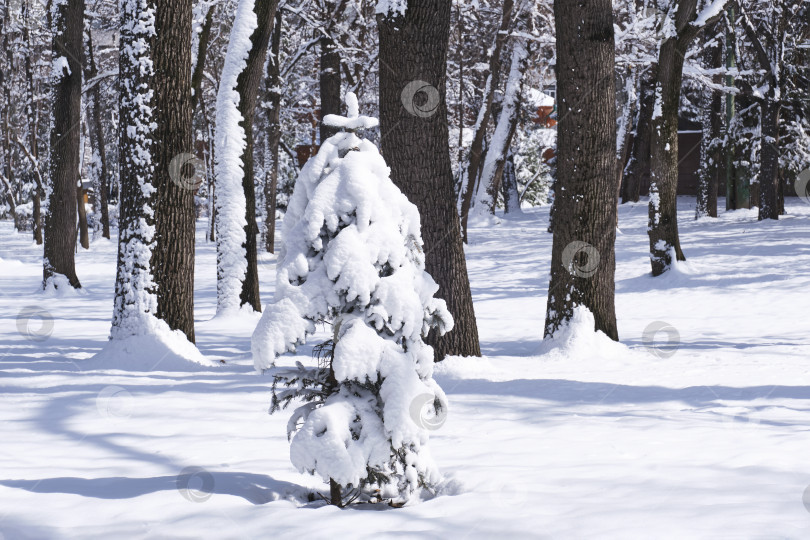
(597,441)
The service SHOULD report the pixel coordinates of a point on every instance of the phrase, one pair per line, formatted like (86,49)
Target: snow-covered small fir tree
(352,257)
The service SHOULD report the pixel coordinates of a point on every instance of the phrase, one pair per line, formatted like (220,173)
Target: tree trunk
(511,197)
(33,124)
(468,187)
(413,47)
(711,141)
(60,220)
(329,84)
(5,84)
(492,173)
(769,168)
(640,155)
(663,210)
(173,257)
(585,206)
(84,233)
(202,50)
(248,88)
(273,137)
(97,140)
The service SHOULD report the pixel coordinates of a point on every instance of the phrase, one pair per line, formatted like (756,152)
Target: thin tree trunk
(583,252)
(640,155)
(413,47)
(469,184)
(492,172)
(33,124)
(202,51)
(663,209)
(5,84)
(97,139)
(173,257)
(84,233)
(511,197)
(60,220)
(273,136)
(248,88)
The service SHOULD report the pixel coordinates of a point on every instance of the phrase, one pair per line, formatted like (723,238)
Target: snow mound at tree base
(577,339)
(165,350)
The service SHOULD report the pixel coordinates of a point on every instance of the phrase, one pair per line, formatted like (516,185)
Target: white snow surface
(229,169)
(591,443)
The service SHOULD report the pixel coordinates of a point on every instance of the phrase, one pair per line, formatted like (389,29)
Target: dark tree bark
(202,51)
(60,220)
(769,166)
(413,47)
(97,139)
(475,161)
(585,207)
(639,162)
(329,84)
(273,136)
(173,257)
(247,86)
(511,197)
(84,233)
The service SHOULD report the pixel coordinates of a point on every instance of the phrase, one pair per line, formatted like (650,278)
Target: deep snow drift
(696,428)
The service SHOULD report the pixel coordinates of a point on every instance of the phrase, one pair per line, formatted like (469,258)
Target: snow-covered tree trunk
(238,281)
(413,47)
(487,195)
(469,187)
(230,145)
(711,142)
(135,288)
(248,88)
(586,192)
(60,220)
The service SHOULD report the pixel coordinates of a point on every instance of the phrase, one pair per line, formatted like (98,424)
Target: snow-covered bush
(352,257)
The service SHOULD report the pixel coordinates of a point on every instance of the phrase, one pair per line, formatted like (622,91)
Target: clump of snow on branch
(230,143)
(391,8)
(353,257)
